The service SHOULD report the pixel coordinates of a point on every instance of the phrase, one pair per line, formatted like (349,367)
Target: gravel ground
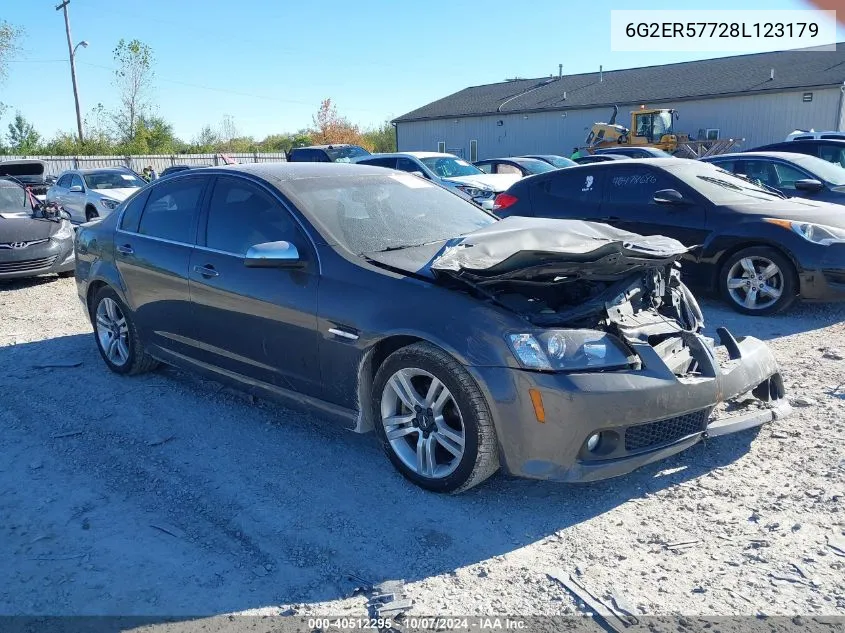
(168,494)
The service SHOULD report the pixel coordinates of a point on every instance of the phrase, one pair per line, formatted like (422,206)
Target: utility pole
(72,52)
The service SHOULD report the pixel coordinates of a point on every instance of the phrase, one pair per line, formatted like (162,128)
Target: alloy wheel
(755,282)
(422,423)
(112,331)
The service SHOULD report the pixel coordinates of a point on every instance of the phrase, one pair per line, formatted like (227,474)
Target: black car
(553,159)
(633,151)
(791,174)
(175,169)
(518,166)
(831,150)
(600,158)
(760,250)
(34,239)
(30,172)
(339,153)
(380,298)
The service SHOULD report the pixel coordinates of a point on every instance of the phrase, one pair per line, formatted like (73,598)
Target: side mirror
(809,184)
(75,189)
(273,255)
(669,196)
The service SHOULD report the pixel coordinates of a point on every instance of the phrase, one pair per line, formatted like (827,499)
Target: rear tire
(116,335)
(759,280)
(433,421)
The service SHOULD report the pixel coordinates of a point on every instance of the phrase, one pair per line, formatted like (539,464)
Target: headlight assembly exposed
(816,233)
(108,203)
(568,350)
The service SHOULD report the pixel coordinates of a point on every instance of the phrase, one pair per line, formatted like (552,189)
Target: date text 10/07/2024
(415,623)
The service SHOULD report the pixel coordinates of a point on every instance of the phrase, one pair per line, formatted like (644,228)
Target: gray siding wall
(759,119)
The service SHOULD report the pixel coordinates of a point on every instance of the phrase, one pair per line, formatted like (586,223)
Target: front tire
(433,421)
(90,214)
(116,335)
(759,280)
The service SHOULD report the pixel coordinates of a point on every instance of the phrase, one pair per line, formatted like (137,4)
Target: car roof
(781,155)
(514,159)
(91,170)
(543,156)
(22,161)
(283,171)
(330,145)
(808,141)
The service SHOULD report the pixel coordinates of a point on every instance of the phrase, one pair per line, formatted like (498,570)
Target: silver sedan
(90,193)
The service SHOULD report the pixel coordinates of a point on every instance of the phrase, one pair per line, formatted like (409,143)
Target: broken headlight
(568,350)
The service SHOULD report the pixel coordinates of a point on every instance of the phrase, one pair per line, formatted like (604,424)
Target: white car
(801,135)
(449,171)
(90,193)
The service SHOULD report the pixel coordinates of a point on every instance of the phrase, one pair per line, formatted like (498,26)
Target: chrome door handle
(126,249)
(206,271)
(343,334)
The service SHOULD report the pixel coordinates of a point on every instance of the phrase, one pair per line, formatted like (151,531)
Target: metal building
(760,97)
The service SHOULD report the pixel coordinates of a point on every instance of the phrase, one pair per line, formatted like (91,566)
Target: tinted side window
(487,168)
(729,165)
(380,162)
(76,180)
(832,154)
(64,181)
(406,164)
(171,209)
(132,214)
(636,186)
(241,215)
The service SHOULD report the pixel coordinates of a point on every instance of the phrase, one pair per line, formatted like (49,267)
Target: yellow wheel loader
(653,128)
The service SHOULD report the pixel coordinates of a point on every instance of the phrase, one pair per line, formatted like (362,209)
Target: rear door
(153,247)
(573,193)
(257,323)
(629,204)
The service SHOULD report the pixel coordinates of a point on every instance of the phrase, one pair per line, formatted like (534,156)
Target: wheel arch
(369,365)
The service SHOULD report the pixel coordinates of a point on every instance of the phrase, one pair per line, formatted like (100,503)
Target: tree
(330,127)
(22,136)
(133,78)
(8,46)
(381,139)
(206,141)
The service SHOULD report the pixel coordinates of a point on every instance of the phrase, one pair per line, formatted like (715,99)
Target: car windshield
(13,198)
(346,153)
(372,213)
(450,166)
(533,166)
(112,180)
(722,187)
(560,161)
(829,172)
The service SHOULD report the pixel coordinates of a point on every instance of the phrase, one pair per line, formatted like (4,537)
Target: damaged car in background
(35,238)
(560,350)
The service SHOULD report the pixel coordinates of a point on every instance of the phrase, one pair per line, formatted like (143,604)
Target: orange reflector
(787,224)
(537,401)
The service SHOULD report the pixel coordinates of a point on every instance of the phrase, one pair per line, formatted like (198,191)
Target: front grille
(27,264)
(665,431)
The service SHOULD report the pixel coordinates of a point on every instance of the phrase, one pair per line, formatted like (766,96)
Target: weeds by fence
(57,164)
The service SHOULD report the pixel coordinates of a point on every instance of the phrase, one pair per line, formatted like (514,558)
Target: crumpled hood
(496,182)
(117,194)
(520,246)
(518,243)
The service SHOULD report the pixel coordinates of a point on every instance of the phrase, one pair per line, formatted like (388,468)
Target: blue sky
(268,63)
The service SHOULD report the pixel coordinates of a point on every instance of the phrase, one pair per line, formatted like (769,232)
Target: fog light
(593,441)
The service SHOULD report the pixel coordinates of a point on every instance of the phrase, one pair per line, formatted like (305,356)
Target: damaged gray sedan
(555,349)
